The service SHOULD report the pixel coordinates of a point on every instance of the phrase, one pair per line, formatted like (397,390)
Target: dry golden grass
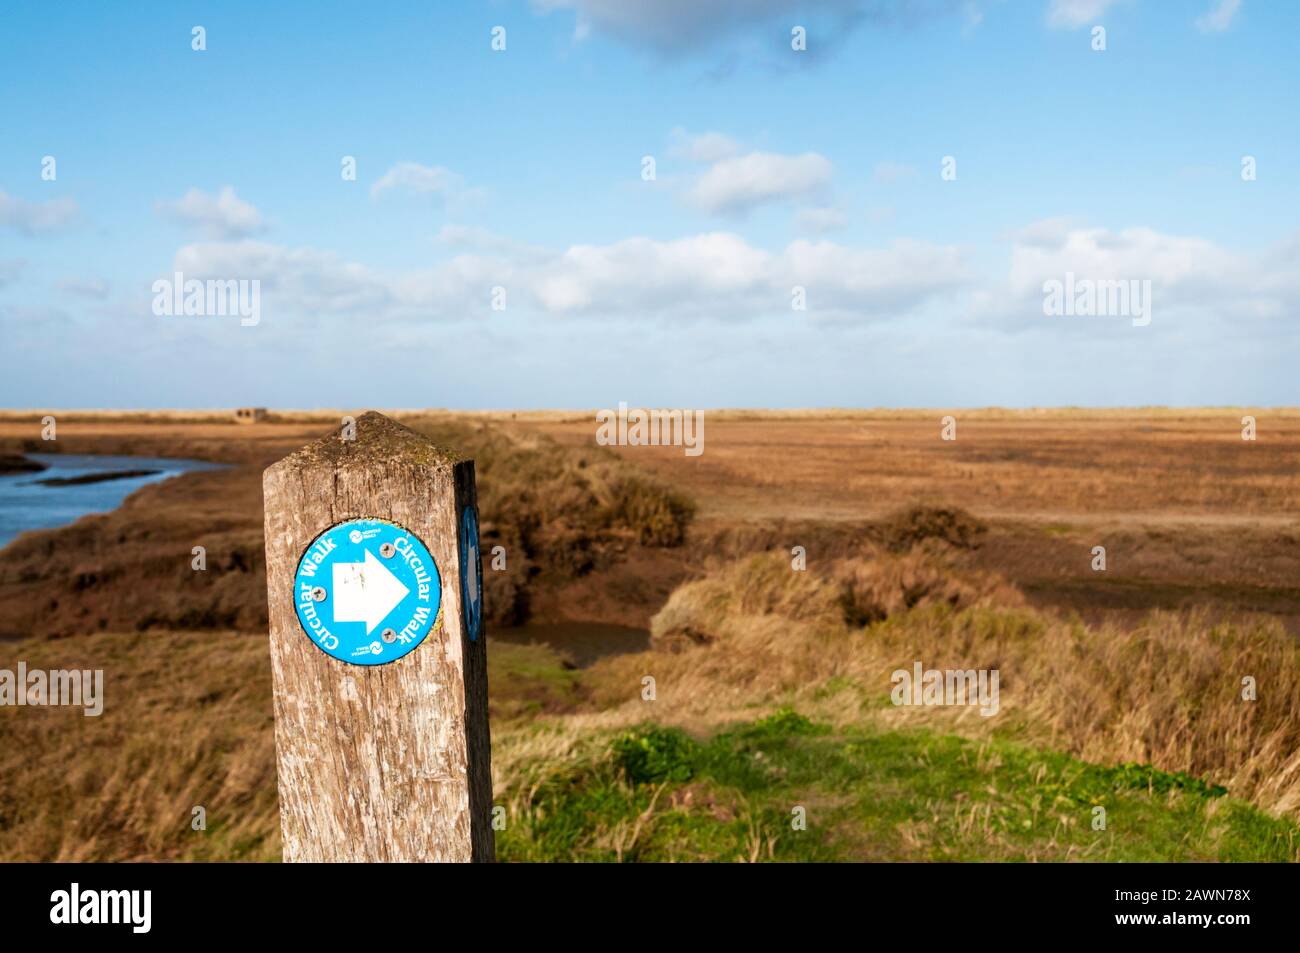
(1166,692)
(561,513)
(1089,465)
(854,592)
(188,717)
(1182,502)
(187,723)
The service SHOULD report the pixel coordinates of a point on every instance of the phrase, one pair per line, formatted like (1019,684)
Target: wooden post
(389,760)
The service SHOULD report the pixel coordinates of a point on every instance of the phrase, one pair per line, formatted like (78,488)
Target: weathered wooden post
(379,665)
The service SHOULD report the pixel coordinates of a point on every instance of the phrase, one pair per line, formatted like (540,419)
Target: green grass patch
(784,788)
(529,680)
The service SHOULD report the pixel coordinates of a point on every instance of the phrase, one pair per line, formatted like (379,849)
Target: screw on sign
(379,674)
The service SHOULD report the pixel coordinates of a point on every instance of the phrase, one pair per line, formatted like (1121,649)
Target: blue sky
(522,170)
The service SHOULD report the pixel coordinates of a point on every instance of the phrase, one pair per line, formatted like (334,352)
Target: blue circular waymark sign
(471,571)
(367,591)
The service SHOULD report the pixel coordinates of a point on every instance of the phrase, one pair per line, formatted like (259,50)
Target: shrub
(651,753)
(782,723)
(954,526)
(656,515)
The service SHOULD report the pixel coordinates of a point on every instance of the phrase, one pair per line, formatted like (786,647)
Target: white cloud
(1219,18)
(223,216)
(420,179)
(1131,253)
(735,184)
(313,282)
(715,275)
(739,184)
(1072,14)
(483,240)
(643,275)
(1192,279)
(37,218)
(874,282)
(303,279)
(719,275)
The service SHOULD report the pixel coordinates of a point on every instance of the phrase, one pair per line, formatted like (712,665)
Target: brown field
(1200,527)
(1189,512)
(1084,468)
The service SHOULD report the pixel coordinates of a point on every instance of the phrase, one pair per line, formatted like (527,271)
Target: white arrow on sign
(366,592)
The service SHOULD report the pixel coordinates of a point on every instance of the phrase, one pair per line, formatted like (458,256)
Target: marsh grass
(772,685)
(561,513)
(659,794)
(788,706)
(187,722)
(1167,691)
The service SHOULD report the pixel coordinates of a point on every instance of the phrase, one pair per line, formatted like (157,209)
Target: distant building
(250,415)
